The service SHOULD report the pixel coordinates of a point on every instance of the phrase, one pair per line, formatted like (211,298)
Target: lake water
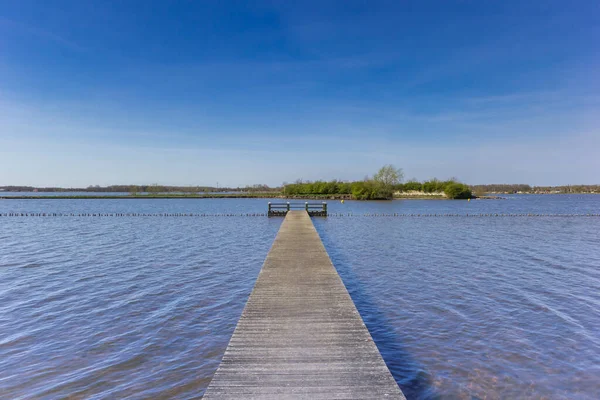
(143,307)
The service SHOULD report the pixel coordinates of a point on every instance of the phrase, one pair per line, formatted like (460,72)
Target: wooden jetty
(300,335)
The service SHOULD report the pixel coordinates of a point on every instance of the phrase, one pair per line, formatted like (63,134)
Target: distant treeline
(116,189)
(524,188)
(382,185)
(154,189)
(567,189)
(142,189)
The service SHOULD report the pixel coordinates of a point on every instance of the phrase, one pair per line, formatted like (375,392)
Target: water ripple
(144,307)
(484,309)
(137,309)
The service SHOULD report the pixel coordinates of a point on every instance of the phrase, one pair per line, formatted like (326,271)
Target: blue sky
(200,92)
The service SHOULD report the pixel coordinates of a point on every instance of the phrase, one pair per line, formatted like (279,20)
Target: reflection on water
(144,307)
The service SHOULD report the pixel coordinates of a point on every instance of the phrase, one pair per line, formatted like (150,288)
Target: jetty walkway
(300,335)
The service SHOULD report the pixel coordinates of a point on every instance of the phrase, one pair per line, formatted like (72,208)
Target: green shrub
(371,190)
(413,185)
(345,187)
(361,190)
(455,190)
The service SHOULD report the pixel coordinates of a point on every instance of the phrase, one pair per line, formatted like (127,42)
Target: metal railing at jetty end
(313,209)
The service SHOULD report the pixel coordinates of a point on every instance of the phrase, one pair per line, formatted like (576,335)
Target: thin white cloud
(40,33)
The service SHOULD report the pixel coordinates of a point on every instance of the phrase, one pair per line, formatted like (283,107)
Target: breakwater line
(331,215)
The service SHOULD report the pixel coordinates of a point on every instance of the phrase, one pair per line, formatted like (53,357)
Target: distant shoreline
(211,196)
(140,197)
(248,196)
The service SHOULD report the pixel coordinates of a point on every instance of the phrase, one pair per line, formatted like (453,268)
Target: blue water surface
(143,307)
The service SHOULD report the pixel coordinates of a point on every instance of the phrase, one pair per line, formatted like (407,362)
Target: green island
(386,184)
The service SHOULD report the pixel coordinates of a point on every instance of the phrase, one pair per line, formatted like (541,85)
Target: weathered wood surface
(300,335)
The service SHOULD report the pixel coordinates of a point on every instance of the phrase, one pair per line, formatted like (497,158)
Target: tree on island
(381,186)
(388,176)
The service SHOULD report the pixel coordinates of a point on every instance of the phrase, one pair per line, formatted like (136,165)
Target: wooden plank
(300,335)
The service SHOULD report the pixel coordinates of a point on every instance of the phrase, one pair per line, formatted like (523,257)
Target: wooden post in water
(300,335)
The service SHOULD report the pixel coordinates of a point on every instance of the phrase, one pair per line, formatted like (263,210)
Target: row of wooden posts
(283,212)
